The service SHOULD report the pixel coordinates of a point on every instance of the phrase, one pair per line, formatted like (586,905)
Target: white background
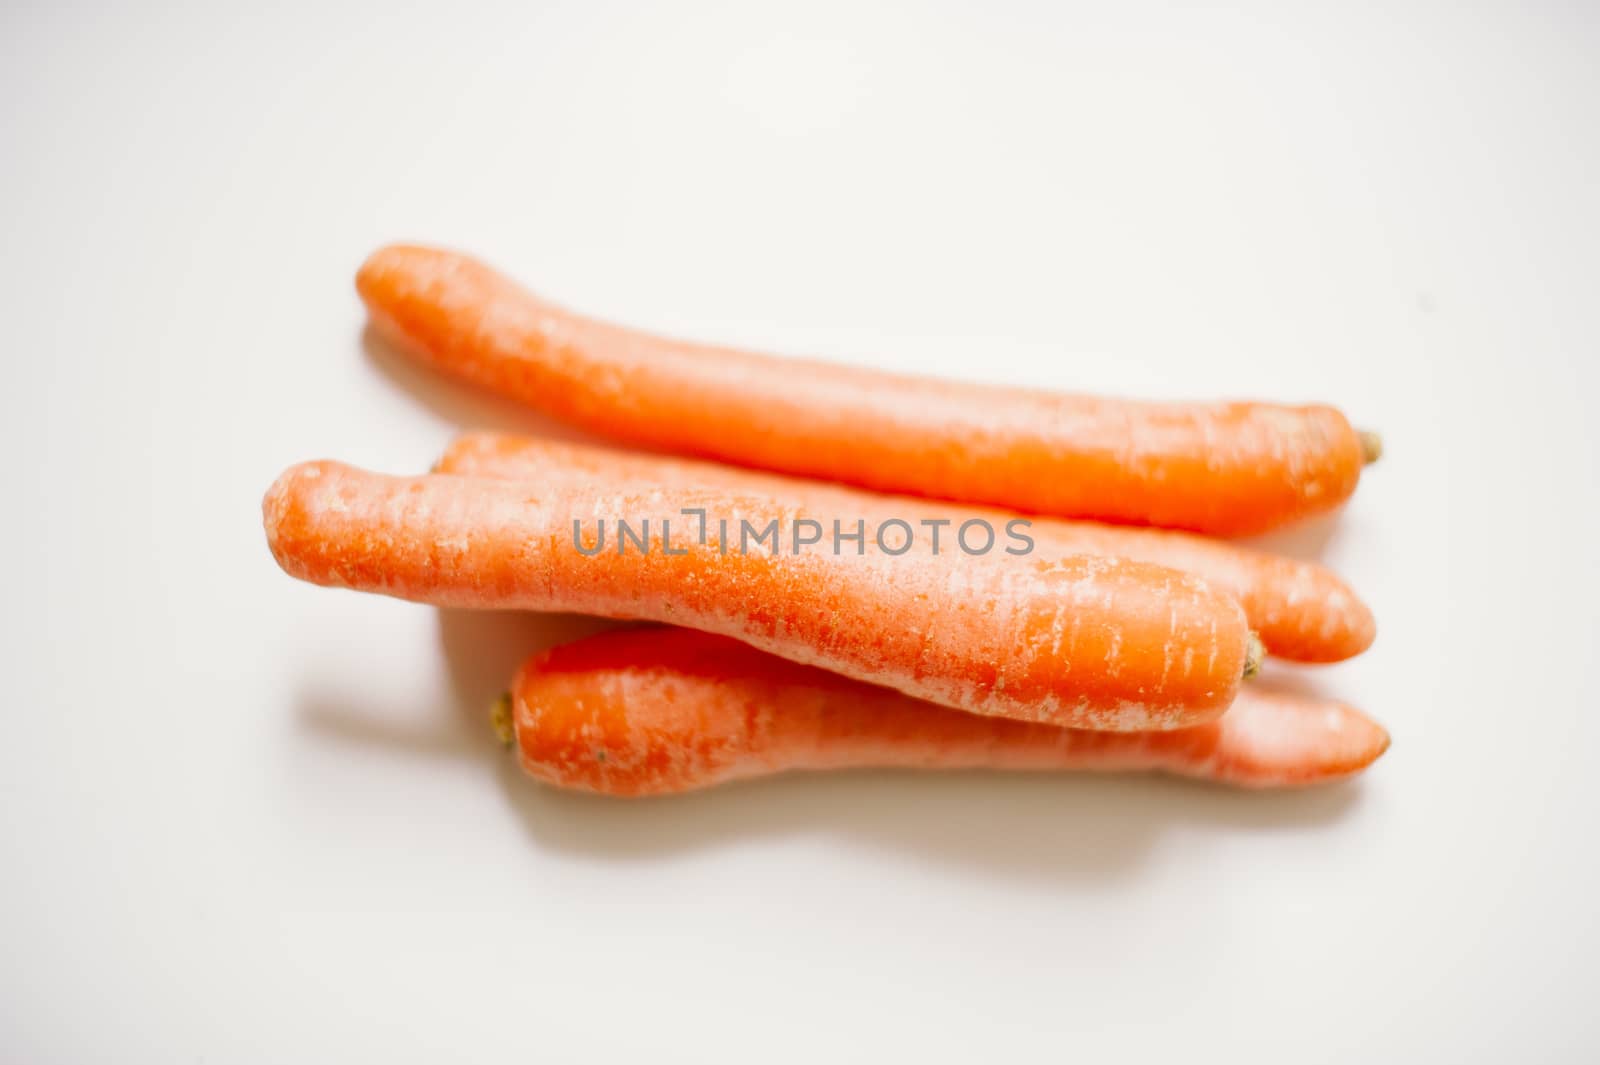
(245,819)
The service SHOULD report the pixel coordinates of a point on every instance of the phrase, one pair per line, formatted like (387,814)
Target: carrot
(1082,641)
(1222,468)
(655,711)
(1301,610)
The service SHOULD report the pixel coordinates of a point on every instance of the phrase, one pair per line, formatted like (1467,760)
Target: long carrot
(1224,468)
(1080,641)
(1301,610)
(660,710)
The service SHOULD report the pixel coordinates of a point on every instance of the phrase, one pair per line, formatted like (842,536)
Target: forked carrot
(660,710)
(1083,641)
(1301,610)
(1223,468)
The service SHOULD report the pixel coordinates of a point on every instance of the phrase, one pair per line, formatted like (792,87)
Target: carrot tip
(1371,447)
(1253,656)
(500,718)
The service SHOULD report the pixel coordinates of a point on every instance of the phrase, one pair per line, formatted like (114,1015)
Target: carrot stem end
(500,718)
(1253,656)
(1371,447)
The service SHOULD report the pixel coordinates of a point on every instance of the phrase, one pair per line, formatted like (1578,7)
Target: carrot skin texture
(1301,610)
(1081,641)
(1223,468)
(661,710)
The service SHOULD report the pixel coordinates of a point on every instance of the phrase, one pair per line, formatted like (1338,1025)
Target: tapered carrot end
(1254,654)
(1355,744)
(1371,447)
(1275,739)
(1381,742)
(387,266)
(500,718)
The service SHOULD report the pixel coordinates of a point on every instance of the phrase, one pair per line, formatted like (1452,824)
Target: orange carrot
(1224,468)
(1301,610)
(660,710)
(1081,641)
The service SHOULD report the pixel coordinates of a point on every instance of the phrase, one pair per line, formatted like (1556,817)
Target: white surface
(244,817)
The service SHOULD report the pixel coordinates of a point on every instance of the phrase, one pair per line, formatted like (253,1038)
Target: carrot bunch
(893,572)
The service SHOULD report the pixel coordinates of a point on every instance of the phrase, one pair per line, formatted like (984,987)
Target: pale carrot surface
(1082,641)
(660,710)
(1224,468)
(1301,610)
